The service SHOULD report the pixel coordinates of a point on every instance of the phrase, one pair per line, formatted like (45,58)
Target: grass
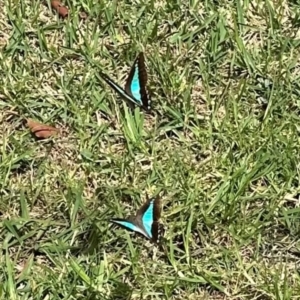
(221,145)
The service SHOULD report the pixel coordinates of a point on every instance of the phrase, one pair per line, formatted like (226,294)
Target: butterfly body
(135,88)
(145,221)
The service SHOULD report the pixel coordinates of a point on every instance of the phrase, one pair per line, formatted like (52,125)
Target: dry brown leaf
(61,10)
(40,130)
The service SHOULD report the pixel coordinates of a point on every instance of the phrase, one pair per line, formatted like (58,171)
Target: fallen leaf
(61,10)
(41,130)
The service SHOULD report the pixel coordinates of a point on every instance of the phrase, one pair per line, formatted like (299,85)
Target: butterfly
(145,221)
(135,88)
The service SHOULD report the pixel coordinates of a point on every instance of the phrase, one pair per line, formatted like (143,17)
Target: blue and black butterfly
(145,221)
(135,88)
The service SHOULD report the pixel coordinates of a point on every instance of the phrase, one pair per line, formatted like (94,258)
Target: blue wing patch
(135,85)
(147,219)
(129,225)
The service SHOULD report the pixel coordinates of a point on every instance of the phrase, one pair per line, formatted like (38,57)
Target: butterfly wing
(129,224)
(136,83)
(148,216)
(156,217)
(146,220)
(117,88)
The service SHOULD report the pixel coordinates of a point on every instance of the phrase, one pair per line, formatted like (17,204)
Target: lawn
(220,146)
